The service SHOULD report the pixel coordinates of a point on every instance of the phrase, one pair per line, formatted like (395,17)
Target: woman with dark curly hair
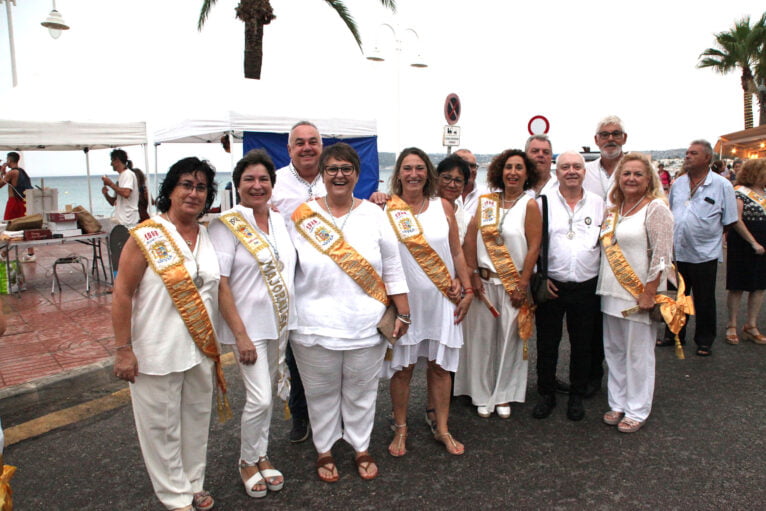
(165,298)
(501,248)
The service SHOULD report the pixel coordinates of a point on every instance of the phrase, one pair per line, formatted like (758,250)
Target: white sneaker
(28,258)
(504,411)
(483,411)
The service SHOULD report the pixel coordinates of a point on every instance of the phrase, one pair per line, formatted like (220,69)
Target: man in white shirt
(574,220)
(610,137)
(296,183)
(300,180)
(125,200)
(472,191)
(703,206)
(540,150)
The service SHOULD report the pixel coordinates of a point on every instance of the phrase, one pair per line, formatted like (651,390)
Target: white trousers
(629,353)
(341,390)
(172,414)
(258,380)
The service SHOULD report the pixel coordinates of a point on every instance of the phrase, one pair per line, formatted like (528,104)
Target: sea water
(74,189)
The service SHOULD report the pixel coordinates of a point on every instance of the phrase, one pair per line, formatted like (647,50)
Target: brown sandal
(366,460)
(398,446)
(731,335)
(328,463)
(450,443)
(752,333)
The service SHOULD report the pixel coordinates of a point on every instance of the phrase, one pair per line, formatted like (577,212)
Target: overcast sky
(573,62)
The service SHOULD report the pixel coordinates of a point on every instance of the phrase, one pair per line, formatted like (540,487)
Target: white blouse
(161,342)
(646,240)
(251,294)
(332,309)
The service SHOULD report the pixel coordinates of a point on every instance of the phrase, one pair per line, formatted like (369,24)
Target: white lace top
(646,240)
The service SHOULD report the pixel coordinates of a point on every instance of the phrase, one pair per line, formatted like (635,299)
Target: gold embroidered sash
(744,190)
(489,226)
(410,233)
(166,260)
(673,311)
(328,240)
(259,248)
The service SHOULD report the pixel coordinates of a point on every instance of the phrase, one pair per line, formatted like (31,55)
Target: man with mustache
(295,184)
(599,179)
(574,220)
(610,137)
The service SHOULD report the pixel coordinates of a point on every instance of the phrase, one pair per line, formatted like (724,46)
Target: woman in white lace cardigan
(641,225)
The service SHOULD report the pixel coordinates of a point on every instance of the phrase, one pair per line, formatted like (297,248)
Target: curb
(33,392)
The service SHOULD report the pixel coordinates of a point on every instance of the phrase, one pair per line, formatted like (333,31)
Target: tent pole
(231,168)
(147,174)
(87,168)
(156,176)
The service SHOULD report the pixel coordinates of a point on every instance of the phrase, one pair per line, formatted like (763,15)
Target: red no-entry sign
(452,109)
(538,125)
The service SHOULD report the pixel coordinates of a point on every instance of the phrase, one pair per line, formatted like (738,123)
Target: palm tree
(257,13)
(760,72)
(739,48)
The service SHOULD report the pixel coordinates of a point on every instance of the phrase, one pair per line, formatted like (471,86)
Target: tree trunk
(254,51)
(748,109)
(762,108)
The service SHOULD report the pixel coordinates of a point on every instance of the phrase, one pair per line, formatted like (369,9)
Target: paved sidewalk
(50,335)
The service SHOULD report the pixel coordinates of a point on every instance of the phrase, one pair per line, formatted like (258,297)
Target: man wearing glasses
(297,183)
(471,192)
(610,137)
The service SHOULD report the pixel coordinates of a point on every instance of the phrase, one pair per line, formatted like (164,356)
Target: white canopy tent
(71,136)
(233,124)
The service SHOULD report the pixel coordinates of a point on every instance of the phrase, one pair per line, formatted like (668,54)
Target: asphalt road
(702,449)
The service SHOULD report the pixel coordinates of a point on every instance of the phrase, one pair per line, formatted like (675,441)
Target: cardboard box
(37,234)
(62,226)
(62,217)
(39,201)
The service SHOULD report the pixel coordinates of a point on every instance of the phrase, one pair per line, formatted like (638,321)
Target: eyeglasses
(606,134)
(474,166)
(567,166)
(346,170)
(447,180)
(190,187)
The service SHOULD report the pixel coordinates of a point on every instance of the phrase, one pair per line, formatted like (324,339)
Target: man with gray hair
(471,191)
(703,207)
(540,150)
(610,137)
(296,183)
(574,218)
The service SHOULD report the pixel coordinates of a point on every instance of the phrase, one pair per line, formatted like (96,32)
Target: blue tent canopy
(367,147)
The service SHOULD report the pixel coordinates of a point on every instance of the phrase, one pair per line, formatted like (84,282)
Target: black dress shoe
(544,406)
(301,430)
(592,389)
(575,408)
(561,387)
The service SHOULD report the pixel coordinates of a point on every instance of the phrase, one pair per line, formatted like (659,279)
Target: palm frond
(203,13)
(342,11)
(389,4)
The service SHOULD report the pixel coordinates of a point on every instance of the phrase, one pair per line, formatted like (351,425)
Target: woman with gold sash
(256,296)
(636,251)
(745,259)
(501,248)
(436,276)
(165,299)
(349,269)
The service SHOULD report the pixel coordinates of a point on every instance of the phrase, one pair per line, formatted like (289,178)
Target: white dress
(433,333)
(492,369)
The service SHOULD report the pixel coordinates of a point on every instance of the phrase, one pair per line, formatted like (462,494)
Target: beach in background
(74,189)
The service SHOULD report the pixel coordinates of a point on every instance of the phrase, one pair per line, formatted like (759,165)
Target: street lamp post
(376,55)
(54,23)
